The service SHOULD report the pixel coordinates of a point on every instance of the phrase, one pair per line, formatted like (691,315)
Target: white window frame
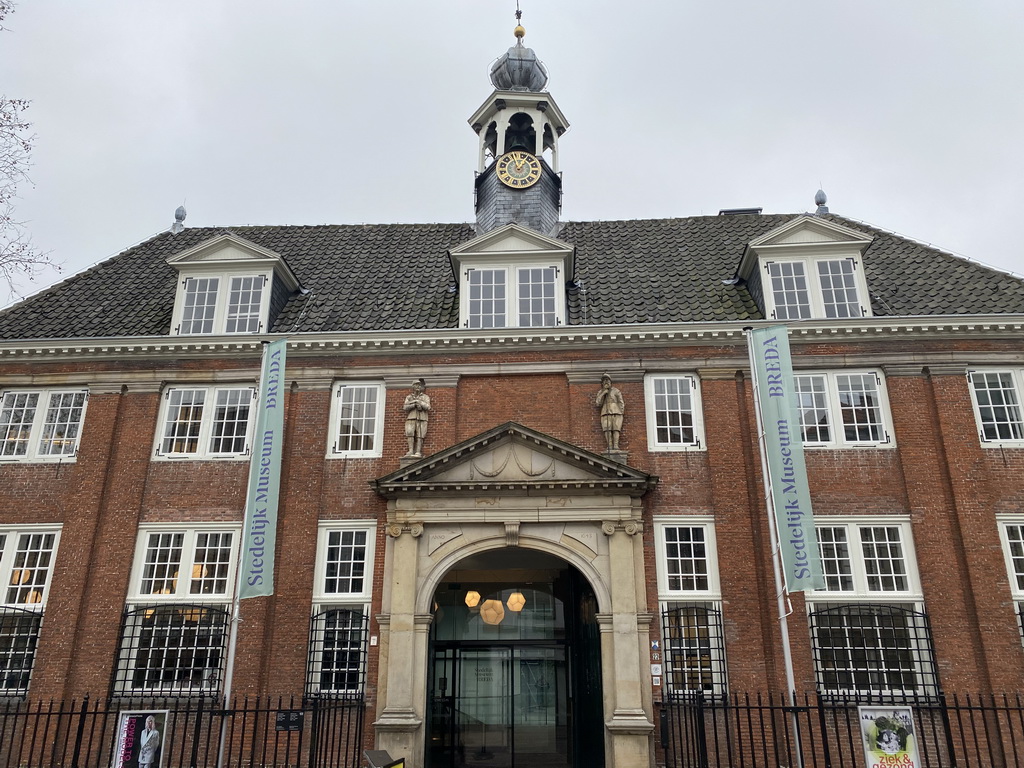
(207,421)
(837,427)
(13,535)
(324,531)
(357,601)
(817,309)
(696,413)
(221,313)
(334,434)
(33,452)
(1016,376)
(511,272)
(187,564)
(709,598)
(861,592)
(707,525)
(24,614)
(1015,575)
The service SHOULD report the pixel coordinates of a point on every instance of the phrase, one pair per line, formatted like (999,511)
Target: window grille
(998,403)
(693,648)
(174,650)
(337,652)
(19,633)
(876,649)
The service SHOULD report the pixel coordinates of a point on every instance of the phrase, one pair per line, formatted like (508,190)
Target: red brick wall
(937,474)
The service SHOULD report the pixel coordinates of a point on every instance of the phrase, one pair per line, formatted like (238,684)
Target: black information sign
(289,720)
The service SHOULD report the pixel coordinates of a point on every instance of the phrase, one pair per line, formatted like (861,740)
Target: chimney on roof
(740,212)
(179,220)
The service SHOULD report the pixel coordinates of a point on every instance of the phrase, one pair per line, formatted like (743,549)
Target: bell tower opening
(515,665)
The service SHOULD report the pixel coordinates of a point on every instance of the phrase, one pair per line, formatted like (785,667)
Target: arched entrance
(515,665)
(509,502)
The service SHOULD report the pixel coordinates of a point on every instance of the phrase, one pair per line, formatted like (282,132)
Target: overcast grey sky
(908,112)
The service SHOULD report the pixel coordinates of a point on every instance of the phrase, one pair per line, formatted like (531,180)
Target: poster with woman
(888,737)
(140,739)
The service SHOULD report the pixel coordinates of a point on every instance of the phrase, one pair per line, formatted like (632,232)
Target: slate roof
(398,277)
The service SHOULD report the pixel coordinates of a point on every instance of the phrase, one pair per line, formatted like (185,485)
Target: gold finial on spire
(520,31)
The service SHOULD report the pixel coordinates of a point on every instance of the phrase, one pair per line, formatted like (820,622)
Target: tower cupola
(518,128)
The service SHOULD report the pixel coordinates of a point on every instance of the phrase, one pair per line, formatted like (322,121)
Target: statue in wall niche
(417,414)
(609,400)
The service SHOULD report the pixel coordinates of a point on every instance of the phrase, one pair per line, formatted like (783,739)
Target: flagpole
(783,605)
(254,574)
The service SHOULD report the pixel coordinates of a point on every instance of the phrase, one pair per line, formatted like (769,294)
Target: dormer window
(520,296)
(512,277)
(809,268)
(799,289)
(228,285)
(223,304)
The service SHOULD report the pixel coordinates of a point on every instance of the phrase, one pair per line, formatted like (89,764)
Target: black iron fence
(283,733)
(957,730)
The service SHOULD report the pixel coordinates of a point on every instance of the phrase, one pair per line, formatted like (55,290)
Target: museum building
(521,493)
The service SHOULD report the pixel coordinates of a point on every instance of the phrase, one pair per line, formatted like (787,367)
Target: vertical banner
(784,453)
(259,535)
(888,737)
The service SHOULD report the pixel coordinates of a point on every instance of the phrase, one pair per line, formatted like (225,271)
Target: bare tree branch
(19,257)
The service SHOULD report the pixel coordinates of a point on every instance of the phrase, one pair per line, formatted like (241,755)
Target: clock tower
(518,128)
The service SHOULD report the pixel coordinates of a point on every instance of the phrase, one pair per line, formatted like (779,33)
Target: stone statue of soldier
(609,400)
(417,410)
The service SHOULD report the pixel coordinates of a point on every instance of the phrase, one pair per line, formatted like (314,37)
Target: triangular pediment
(510,244)
(804,236)
(513,459)
(805,230)
(231,252)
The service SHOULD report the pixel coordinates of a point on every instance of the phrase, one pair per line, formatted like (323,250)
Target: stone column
(399,727)
(629,725)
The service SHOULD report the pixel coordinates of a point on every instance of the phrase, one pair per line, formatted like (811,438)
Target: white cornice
(457,340)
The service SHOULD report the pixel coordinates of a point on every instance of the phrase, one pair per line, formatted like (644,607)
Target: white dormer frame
(804,246)
(217,265)
(505,254)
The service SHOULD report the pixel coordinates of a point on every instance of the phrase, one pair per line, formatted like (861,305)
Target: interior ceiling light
(492,612)
(472,598)
(516,601)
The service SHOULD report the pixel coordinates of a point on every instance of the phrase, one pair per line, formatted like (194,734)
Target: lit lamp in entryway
(516,601)
(472,598)
(492,612)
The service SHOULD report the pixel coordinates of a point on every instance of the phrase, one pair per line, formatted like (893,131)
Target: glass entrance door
(500,707)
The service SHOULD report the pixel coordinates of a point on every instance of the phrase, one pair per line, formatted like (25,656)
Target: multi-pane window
(868,629)
(222,304)
(345,562)
(174,628)
(206,422)
(997,404)
(842,409)
(41,424)
(341,595)
(526,296)
(674,421)
(1012,534)
(691,613)
(179,563)
(26,563)
(537,307)
(825,288)
(358,425)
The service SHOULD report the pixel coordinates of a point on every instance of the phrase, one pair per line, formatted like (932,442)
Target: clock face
(518,169)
